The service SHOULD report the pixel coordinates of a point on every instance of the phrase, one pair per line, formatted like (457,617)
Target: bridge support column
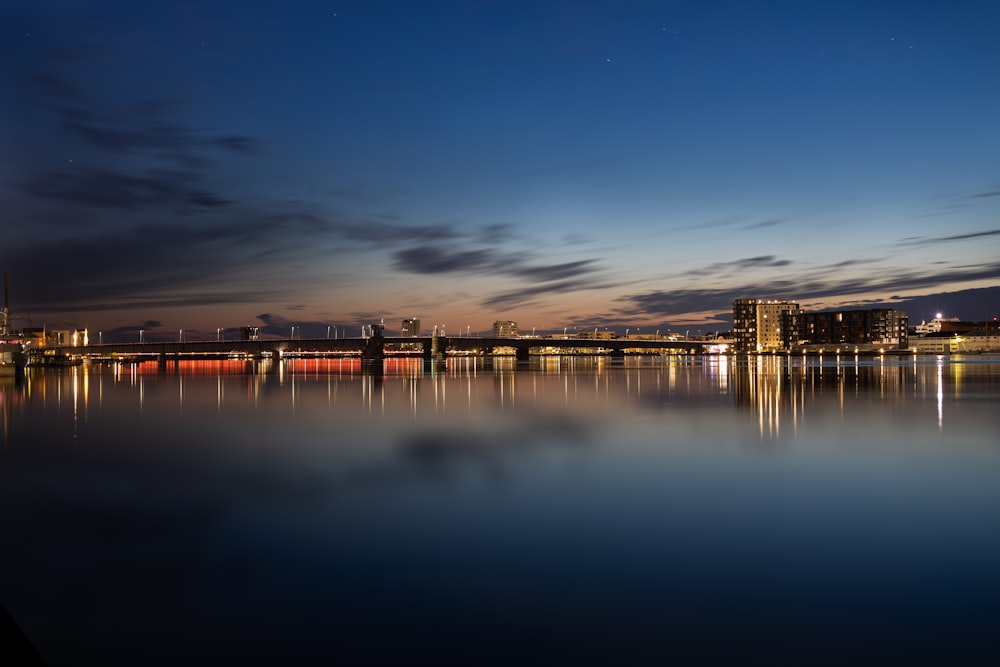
(523,352)
(438,346)
(374,349)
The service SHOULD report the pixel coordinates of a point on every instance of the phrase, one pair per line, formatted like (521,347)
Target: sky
(188,166)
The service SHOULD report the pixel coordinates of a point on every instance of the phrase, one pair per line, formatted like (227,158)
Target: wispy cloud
(761,261)
(527,295)
(105,189)
(930,240)
(431,259)
(766,223)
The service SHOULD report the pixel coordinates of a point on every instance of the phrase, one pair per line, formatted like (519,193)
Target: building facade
(761,326)
(410,328)
(878,326)
(937,324)
(505,329)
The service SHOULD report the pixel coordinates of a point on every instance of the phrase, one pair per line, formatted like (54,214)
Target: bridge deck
(441,344)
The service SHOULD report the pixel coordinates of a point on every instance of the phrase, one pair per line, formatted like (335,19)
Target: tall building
(505,329)
(410,328)
(762,326)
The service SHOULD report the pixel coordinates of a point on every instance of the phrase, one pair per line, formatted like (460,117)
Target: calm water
(694,511)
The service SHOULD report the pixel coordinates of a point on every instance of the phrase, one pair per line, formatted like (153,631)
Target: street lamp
(140,335)
(100,337)
(180,335)
(328,331)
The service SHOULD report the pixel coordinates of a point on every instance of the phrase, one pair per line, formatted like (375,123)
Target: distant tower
(410,328)
(505,329)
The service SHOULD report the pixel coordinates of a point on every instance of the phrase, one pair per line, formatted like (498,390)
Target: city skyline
(556,164)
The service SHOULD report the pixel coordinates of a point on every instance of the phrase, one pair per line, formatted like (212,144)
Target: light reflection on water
(683,508)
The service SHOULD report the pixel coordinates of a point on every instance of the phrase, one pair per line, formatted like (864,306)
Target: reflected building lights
(775,391)
(940,394)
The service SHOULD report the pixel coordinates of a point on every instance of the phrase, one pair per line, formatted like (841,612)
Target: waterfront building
(934,326)
(505,329)
(958,337)
(410,328)
(936,342)
(761,325)
(876,327)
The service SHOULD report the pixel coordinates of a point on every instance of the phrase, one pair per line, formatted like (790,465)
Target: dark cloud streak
(105,189)
(955,237)
(675,302)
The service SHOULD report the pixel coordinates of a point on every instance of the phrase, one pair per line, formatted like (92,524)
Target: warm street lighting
(140,335)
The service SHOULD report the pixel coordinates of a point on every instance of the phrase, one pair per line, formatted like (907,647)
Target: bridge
(369,348)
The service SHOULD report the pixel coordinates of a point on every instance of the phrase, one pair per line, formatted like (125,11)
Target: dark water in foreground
(691,512)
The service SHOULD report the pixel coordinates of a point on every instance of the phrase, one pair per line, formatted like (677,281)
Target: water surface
(686,509)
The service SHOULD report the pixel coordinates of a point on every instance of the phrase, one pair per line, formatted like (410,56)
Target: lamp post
(140,335)
(100,337)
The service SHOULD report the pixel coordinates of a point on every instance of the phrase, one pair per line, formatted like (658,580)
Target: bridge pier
(439,344)
(523,352)
(374,348)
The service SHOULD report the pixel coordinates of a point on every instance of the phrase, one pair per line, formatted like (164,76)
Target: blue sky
(562,164)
